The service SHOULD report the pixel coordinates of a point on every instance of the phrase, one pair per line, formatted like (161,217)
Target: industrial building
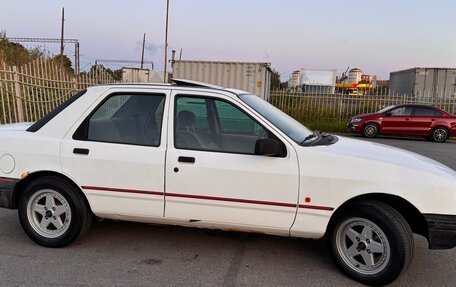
(424,82)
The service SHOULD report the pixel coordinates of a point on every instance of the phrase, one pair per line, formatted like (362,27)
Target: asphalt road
(132,254)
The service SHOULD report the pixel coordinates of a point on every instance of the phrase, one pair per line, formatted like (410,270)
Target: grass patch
(327,126)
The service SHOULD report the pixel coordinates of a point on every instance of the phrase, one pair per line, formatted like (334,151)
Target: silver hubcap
(440,134)
(363,246)
(49,213)
(370,130)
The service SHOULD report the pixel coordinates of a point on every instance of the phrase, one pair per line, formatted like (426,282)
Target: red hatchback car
(407,119)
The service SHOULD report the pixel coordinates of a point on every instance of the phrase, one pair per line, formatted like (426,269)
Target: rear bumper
(442,231)
(7,186)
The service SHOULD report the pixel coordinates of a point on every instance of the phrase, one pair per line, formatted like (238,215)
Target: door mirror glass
(269,147)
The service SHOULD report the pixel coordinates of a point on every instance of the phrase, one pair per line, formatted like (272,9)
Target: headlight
(355,120)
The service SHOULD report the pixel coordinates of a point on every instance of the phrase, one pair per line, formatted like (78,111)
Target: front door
(117,155)
(214,178)
(397,121)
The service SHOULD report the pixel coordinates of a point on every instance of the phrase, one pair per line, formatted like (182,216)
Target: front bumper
(7,186)
(355,127)
(442,231)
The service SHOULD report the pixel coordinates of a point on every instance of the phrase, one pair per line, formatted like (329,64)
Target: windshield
(385,109)
(281,120)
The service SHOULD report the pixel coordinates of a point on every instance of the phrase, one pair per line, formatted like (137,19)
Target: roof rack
(190,83)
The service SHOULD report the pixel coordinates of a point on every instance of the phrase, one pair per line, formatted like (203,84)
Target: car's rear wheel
(370,130)
(440,134)
(371,243)
(53,212)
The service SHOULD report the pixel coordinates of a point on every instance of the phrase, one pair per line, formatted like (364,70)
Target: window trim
(183,95)
(82,132)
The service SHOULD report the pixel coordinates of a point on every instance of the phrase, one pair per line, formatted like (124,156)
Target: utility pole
(142,55)
(61,38)
(165,76)
(76,58)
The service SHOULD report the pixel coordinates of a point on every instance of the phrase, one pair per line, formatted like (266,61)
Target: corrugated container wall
(254,78)
(135,75)
(424,82)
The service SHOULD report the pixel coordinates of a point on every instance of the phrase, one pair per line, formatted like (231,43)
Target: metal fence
(340,107)
(29,92)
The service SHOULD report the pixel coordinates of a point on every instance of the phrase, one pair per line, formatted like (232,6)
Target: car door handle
(81,151)
(407,119)
(188,159)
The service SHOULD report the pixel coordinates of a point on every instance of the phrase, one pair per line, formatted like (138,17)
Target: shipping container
(254,78)
(424,82)
(136,75)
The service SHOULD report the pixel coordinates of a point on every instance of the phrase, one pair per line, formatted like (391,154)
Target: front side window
(128,119)
(214,125)
(402,111)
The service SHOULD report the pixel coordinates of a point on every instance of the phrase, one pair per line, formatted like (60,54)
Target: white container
(251,77)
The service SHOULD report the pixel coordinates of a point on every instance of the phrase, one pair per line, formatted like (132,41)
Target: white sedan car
(197,155)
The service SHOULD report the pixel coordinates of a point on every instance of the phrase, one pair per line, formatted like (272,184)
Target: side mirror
(269,147)
(388,114)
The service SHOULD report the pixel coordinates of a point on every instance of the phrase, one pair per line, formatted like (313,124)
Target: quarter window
(214,125)
(129,119)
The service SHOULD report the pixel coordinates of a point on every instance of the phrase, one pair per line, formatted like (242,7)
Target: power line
(124,62)
(43,40)
(54,40)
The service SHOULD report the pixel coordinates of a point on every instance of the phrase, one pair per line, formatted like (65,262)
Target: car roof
(181,83)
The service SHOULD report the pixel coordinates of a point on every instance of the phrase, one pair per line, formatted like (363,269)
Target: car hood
(15,127)
(379,153)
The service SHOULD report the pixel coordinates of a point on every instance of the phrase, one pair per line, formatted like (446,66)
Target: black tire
(53,212)
(370,130)
(439,134)
(391,242)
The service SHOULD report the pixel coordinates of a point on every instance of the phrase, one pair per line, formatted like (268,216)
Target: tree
(116,75)
(66,62)
(13,53)
(275,80)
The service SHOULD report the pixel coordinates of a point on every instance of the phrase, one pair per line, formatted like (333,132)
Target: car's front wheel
(440,134)
(370,130)
(53,212)
(371,243)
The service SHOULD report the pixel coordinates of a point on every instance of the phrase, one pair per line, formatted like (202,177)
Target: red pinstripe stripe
(8,179)
(316,207)
(231,199)
(123,190)
(214,198)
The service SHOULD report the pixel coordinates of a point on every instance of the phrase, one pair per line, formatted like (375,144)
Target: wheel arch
(411,214)
(20,186)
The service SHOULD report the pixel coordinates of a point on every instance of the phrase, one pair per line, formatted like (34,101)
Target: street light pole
(165,78)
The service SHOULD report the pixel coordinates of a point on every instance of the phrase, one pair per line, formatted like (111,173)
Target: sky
(377,36)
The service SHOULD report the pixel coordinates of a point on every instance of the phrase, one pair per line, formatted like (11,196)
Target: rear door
(214,178)
(117,154)
(423,120)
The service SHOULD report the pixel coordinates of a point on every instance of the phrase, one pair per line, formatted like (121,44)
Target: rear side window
(44,120)
(128,119)
(426,112)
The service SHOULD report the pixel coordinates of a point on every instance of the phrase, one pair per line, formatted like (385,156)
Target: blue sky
(376,36)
